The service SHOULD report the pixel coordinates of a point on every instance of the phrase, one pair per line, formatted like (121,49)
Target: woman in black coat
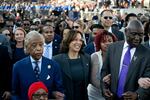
(75,66)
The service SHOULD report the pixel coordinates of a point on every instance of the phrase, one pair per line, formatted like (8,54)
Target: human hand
(130,95)
(108,94)
(6,95)
(144,83)
(58,95)
(106,79)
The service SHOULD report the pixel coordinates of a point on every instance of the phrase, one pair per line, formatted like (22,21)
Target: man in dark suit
(52,42)
(107,22)
(134,66)
(5,73)
(34,68)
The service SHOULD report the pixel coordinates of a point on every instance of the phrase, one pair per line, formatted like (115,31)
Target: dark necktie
(36,70)
(123,73)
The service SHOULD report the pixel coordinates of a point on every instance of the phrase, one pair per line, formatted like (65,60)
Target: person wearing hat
(34,68)
(38,91)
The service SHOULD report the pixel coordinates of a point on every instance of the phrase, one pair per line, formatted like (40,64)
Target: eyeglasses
(7,34)
(26,24)
(108,17)
(44,95)
(75,27)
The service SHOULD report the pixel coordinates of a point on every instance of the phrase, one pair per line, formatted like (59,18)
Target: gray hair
(30,36)
(135,24)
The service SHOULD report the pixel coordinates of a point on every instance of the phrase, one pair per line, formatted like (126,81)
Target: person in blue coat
(26,71)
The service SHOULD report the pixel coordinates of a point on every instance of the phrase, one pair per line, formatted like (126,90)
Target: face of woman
(77,27)
(76,44)
(19,35)
(40,95)
(108,40)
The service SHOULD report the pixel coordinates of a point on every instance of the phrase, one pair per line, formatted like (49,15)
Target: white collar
(32,59)
(50,44)
(126,45)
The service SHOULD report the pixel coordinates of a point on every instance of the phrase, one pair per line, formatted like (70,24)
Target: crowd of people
(61,56)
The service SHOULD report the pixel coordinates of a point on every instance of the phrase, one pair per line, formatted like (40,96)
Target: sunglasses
(108,17)
(75,27)
(7,34)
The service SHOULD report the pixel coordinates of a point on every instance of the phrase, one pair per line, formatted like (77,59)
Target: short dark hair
(96,26)
(130,15)
(147,28)
(64,48)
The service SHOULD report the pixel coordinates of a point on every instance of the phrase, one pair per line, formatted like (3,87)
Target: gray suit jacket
(139,67)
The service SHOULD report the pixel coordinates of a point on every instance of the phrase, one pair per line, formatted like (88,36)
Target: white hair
(29,37)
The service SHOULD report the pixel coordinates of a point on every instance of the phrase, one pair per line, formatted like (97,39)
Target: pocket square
(48,77)
(49,66)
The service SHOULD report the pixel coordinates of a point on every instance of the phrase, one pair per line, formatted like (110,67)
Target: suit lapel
(134,62)
(66,67)
(44,70)
(117,58)
(30,68)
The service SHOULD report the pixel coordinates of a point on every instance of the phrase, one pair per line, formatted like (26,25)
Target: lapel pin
(49,66)
(48,77)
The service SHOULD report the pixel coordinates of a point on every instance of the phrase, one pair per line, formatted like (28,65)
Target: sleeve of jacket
(105,68)
(144,94)
(15,83)
(58,78)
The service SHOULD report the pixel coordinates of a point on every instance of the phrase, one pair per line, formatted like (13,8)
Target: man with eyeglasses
(26,25)
(127,61)
(107,21)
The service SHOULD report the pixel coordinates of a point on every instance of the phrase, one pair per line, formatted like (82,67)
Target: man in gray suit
(136,65)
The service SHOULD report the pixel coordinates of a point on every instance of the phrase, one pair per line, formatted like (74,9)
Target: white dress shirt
(39,63)
(50,47)
(125,48)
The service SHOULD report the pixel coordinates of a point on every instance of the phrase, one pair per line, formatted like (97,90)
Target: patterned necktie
(123,73)
(36,70)
(46,54)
